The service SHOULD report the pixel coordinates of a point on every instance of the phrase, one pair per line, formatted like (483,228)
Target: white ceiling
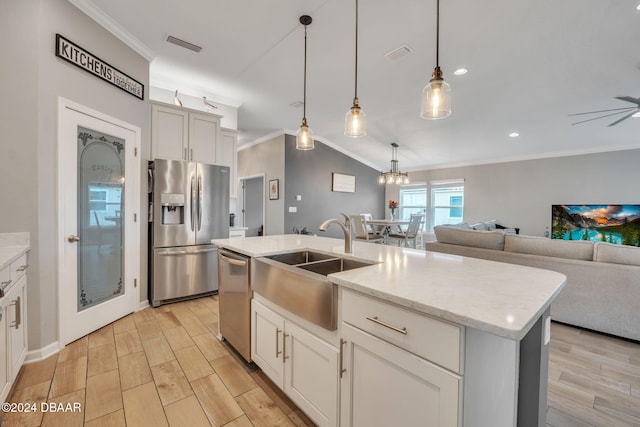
(531,64)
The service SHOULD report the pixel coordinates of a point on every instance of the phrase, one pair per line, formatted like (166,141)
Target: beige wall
(266,158)
(520,194)
(33,78)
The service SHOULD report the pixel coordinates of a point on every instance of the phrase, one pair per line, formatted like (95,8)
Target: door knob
(73,239)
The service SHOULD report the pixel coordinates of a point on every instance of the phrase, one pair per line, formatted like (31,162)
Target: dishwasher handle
(232,261)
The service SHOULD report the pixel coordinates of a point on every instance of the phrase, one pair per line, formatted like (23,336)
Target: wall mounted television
(619,224)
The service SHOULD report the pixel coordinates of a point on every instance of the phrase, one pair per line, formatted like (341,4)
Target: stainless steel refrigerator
(189,206)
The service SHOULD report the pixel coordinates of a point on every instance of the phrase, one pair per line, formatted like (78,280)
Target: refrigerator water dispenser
(172,208)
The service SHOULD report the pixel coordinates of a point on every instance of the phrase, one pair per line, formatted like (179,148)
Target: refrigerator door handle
(200,194)
(192,201)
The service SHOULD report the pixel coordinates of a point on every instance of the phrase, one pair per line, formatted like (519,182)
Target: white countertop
(499,298)
(12,246)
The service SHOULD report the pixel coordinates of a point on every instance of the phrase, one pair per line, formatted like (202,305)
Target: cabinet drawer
(18,268)
(432,339)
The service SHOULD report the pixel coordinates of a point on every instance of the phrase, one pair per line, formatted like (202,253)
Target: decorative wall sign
(87,61)
(274,189)
(343,183)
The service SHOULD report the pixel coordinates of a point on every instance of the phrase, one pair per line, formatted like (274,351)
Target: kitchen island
(478,327)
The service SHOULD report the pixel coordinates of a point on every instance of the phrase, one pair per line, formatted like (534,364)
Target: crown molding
(98,15)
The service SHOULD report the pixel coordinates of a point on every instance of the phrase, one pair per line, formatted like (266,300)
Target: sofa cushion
(616,254)
(473,238)
(569,249)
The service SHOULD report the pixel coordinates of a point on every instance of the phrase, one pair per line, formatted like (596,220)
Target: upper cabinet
(181,134)
(227,155)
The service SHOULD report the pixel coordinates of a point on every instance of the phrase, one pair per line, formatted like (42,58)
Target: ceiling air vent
(398,52)
(184,44)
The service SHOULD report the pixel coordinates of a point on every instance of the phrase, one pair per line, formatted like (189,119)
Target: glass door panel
(101,186)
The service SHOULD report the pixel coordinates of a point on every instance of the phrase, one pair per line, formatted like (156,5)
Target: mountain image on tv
(619,224)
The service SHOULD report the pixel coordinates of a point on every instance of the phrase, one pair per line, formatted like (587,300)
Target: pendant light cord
(437,33)
(304,104)
(355,96)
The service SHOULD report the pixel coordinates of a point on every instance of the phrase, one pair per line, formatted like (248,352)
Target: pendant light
(355,124)
(304,137)
(394,176)
(436,95)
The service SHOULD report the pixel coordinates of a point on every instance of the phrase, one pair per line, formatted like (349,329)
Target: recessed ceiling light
(638,7)
(460,72)
(514,134)
(636,114)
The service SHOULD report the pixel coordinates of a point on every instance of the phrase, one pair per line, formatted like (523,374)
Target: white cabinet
(181,134)
(13,328)
(385,382)
(302,365)
(237,231)
(5,384)
(227,155)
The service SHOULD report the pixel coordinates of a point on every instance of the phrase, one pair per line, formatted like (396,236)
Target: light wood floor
(594,380)
(157,367)
(164,366)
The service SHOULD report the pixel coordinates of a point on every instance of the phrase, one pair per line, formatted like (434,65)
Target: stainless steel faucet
(346,229)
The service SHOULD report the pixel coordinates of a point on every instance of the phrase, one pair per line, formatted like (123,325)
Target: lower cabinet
(384,385)
(401,368)
(5,384)
(302,365)
(13,328)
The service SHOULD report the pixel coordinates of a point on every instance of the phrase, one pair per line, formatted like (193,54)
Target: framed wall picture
(343,183)
(274,189)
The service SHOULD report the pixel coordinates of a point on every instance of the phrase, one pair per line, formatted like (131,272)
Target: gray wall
(308,174)
(266,158)
(33,79)
(520,194)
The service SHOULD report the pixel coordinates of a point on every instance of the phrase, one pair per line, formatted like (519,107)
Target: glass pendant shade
(355,124)
(304,137)
(436,98)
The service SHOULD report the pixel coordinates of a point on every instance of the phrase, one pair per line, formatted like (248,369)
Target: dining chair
(410,235)
(367,217)
(360,231)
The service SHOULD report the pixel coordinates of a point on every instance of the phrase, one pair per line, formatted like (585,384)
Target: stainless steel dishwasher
(234,296)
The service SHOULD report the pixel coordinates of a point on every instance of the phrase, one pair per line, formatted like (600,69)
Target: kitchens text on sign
(84,59)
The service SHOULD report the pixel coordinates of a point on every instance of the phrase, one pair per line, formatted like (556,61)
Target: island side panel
(534,374)
(490,380)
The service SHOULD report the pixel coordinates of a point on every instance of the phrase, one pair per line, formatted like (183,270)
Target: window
(413,200)
(447,202)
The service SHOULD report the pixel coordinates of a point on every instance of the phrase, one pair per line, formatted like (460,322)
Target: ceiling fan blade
(623,118)
(628,99)
(606,115)
(603,111)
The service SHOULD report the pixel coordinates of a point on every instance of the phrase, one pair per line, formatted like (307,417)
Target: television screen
(619,224)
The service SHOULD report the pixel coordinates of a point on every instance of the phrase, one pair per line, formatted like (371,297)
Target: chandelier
(394,176)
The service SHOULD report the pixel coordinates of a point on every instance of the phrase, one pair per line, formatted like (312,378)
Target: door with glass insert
(98,184)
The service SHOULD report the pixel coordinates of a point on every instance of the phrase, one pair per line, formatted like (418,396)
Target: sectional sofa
(603,280)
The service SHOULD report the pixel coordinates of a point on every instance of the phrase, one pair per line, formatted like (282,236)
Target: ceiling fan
(631,111)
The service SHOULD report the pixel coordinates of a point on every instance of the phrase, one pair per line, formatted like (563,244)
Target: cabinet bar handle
(277,343)
(4,285)
(342,369)
(22,268)
(374,319)
(284,347)
(18,320)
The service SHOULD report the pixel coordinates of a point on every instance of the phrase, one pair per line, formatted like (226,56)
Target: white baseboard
(48,350)
(43,353)
(143,304)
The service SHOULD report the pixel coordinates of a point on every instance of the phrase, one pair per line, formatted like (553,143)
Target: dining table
(386,226)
